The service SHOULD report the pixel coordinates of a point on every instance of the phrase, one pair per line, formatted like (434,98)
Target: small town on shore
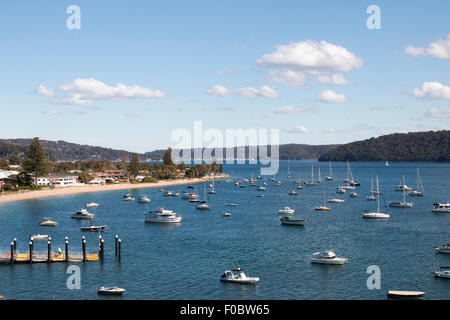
(33,171)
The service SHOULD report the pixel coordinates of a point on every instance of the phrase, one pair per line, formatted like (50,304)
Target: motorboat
(128,198)
(94,228)
(170,194)
(237,275)
(346,187)
(260,196)
(190,187)
(299,187)
(91,205)
(162,216)
(336,200)
(126,195)
(193,197)
(38,237)
(443,249)
(441,207)
(353,194)
(231,204)
(111,291)
(286,210)
(48,223)
(278,183)
(202,205)
(293,221)
(328,257)
(292,193)
(405,294)
(401,204)
(441,272)
(226,214)
(341,191)
(83,214)
(144,199)
(261,188)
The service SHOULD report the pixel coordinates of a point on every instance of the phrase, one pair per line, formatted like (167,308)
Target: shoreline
(47,193)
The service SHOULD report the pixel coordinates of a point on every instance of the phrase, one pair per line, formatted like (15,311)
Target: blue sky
(176,52)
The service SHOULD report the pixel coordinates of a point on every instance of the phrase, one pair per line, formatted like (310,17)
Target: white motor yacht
(292,193)
(328,257)
(441,272)
(237,275)
(48,223)
(91,205)
(336,200)
(111,291)
(144,199)
(441,207)
(162,216)
(286,210)
(83,214)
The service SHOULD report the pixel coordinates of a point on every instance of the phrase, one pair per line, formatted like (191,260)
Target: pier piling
(12,252)
(120,248)
(15,244)
(30,247)
(84,249)
(66,249)
(116,239)
(49,250)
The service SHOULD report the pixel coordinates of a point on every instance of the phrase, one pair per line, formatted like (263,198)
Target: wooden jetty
(15,256)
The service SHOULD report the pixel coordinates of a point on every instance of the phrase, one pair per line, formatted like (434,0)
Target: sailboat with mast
(376,214)
(401,204)
(319,179)
(330,176)
(311,182)
(372,194)
(418,191)
(349,179)
(288,175)
(322,207)
(213,189)
(203,205)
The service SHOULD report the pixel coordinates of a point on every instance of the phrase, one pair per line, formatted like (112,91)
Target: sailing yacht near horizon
(330,177)
(418,191)
(376,214)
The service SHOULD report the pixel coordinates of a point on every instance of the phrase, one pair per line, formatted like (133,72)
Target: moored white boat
(144,199)
(48,223)
(336,200)
(441,207)
(328,257)
(83,214)
(293,221)
(111,291)
(376,214)
(162,216)
(405,294)
(443,249)
(286,210)
(237,275)
(92,204)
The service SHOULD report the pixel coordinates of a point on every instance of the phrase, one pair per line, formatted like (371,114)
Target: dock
(14,256)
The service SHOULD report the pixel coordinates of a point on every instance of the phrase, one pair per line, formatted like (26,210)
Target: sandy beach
(45,193)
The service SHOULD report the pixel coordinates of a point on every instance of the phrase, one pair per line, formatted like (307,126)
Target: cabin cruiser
(292,193)
(226,214)
(92,204)
(128,198)
(441,272)
(237,275)
(93,228)
(443,249)
(38,237)
(286,210)
(293,221)
(441,207)
(111,290)
(202,205)
(261,188)
(48,223)
(162,216)
(341,191)
(336,200)
(328,257)
(83,214)
(353,194)
(171,194)
(144,199)
(193,197)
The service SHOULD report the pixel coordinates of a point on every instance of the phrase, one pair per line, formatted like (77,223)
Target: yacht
(226,214)
(203,205)
(353,194)
(162,216)
(441,207)
(92,204)
(319,179)
(237,275)
(441,272)
(292,193)
(38,237)
(213,189)
(372,196)
(330,176)
(376,214)
(341,190)
(144,199)
(193,197)
(171,194)
(312,182)
(418,191)
(336,200)
(261,188)
(83,214)
(405,294)
(402,186)
(443,249)
(401,204)
(386,163)
(328,257)
(48,223)
(323,207)
(286,210)
(292,221)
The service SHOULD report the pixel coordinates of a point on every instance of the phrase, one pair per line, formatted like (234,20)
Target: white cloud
(74,99)
(44,91)
(54,112)
(300,129)
(437,113)
(311,56)
(334,80)
(330,96)
(432,90)
(289,78)
(439,49)
(259,116)
(263,92)
(290,109)
(219,91)
(95,89)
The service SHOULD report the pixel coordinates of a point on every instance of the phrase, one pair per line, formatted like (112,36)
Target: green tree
(134,166)
(15,159)
(36,162)
(85,177)
(168,157)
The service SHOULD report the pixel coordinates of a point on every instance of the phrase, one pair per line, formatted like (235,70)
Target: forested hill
(413,146)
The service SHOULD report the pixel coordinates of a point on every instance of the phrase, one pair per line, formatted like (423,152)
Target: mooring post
(120,248)
(117,239)
(30,258)
(84,249)
(49,250)
(66,249)
(15,245)
(102,249)
(12,252)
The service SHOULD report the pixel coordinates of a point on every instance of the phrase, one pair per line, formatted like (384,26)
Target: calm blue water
(186,261)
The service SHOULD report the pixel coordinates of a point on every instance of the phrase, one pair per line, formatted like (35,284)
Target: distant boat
(292,193)
(293,221)
(330,176)
(83,214)
(328,257)
(237,275)
(171,194)
(261,188)
(92,204)
(319,179)
(405,294)
(203,205)
(111,291)
(376,214)
(39,237)
(418,191)
(401,204)
(371,197)
(441,207)
(213,190)
(286,210)
(312,182)
(441,272)
(323,207)
(341,190)
(93,228)
(260,196)
(226,214)
(353,194)
(336,200)
(443,249)
(386,163)
(162,216)
(48,223)
(402,186)
(231,204)
(144,199)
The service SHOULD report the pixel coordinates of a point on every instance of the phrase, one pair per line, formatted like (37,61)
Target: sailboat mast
(378,198)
